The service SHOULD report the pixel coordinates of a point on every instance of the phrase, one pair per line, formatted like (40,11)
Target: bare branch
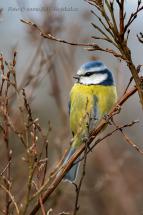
(128,140)
(133,16)
(78,187)
(51,37)
(11,197)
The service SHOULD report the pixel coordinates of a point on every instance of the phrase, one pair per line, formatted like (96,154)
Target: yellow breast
(83,101)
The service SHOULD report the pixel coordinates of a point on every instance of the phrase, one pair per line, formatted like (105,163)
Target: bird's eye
(88,74)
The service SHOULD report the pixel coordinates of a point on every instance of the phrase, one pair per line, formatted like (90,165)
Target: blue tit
(92,96)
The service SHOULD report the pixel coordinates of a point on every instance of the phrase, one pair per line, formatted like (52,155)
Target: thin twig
(128,140)
(5,168)
(11,197)
(78,187)
(51,37)
(108,135)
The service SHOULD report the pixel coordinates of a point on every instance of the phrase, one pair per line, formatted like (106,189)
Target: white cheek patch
(93,79)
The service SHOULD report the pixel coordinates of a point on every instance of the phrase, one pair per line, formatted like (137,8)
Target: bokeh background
(114,176)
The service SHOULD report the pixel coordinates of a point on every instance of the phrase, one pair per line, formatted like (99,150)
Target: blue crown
(97,65)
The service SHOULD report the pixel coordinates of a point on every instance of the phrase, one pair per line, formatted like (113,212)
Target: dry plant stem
(29,185)
(66,168)
(5,168)
(42,206)
(122,42)
(28,137)
(87,46)
(40,183)
(127,139)
(4,92)
(108,135)
(40,201)
(11,197)
(8,154)
(78,187)
(126,53)
(133,16)
(121,6)
(33,157)
(131,79)
(51,37)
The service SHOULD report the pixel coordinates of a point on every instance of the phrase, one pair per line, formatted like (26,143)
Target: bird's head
(94,73)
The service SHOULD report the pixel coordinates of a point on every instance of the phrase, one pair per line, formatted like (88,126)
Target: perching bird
(91,97)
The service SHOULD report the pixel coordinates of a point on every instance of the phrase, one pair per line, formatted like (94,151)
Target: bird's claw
(117,109)
(107,118)
(85,139)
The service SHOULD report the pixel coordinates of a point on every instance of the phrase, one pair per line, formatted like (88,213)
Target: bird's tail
(72,173)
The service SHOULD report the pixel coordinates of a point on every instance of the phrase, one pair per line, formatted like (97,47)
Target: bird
(91,98)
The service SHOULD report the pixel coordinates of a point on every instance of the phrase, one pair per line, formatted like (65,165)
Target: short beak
(76,77)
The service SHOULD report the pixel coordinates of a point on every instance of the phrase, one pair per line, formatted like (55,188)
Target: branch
(78,188)
(118,36)
(108,135)
(87,46)
(127,139)
(51,37)
(133,16)
(92,136)
(122,18)
(11,197)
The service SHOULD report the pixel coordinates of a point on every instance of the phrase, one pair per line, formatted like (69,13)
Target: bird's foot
(107,118)
(85,139)
(117,109)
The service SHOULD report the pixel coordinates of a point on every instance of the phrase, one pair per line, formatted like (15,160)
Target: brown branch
(11,197)
(122,18)
(131,79)
(69,164)
(5,168)
(51,37)
(108,135)
(78,187)
(40,199)
(133,16)
(111,10)
(128,140)
(87,46)
(118,38)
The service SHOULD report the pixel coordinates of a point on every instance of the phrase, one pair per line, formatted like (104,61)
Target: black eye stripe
(92,73)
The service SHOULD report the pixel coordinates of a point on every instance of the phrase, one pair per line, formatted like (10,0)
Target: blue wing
(95,109)
(94,115)
(69,106)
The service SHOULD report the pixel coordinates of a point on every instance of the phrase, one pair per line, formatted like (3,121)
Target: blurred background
(114,176)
